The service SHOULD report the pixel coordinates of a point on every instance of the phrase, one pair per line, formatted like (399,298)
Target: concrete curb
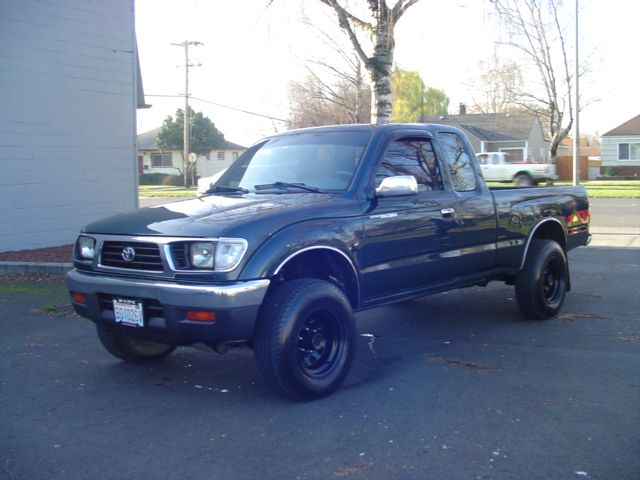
(40,268)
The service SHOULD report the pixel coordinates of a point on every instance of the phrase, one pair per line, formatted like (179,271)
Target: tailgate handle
(447,212)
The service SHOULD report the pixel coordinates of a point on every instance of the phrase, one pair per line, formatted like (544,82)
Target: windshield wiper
(224,189)
(287,186)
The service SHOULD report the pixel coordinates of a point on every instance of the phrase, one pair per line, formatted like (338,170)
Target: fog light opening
(201,315)
(78,298)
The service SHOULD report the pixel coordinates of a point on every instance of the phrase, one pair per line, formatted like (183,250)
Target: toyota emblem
(128,254)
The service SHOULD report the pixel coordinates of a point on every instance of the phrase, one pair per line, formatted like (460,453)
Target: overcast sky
(252,51)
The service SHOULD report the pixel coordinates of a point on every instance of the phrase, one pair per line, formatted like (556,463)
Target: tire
(131,349)
(542,285)
(305,339)
(523,180)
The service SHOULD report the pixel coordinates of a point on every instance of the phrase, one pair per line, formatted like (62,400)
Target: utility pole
(187,133)
(576,125)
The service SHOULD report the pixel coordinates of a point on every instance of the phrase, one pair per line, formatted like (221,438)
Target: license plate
(128,312)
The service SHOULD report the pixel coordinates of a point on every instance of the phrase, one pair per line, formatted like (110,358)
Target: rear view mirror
(397,186)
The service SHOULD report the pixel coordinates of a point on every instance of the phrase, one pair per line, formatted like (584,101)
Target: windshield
(324,161)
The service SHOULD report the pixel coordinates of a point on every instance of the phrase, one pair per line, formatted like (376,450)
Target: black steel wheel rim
(553,282)
(320,343)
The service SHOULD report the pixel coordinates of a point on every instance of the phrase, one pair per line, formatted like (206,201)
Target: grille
(147,256)
(180,255)
(150,308)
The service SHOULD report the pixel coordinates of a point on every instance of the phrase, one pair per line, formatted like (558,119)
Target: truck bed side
(539,212)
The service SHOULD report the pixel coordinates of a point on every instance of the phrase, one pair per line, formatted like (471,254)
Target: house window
(234,156)
(629,151)
(220,155)
(159,160)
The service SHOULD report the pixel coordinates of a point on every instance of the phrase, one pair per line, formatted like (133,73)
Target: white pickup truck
(497,167)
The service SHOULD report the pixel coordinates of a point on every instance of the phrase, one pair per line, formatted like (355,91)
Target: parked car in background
(498,167)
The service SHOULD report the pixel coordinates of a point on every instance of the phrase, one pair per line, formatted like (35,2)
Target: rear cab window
(458,162)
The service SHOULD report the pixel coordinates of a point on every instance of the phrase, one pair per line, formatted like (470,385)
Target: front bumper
(165,306)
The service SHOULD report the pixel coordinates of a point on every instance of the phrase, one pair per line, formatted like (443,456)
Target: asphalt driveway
(453,386)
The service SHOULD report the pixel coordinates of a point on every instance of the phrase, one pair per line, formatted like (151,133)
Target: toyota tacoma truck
(308,227)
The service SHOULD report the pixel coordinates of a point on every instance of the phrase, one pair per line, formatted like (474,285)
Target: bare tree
(497,87)
(535,30)
(379,26)
(315,101)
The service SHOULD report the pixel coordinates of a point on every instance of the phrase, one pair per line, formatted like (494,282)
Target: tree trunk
(380,67)
(379,64)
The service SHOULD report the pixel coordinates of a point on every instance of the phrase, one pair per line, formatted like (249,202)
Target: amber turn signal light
(201,315)
(78,298)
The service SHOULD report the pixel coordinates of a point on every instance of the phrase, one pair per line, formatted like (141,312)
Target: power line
(222,106)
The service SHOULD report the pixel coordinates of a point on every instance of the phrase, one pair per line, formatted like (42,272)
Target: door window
(458,161)
(411,156)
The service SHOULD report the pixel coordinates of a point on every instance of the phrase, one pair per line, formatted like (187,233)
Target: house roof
(489,126)
(630,127)
(147,141)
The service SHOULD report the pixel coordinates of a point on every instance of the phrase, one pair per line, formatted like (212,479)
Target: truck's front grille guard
(172,250)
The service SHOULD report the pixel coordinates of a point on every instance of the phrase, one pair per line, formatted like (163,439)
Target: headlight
(86,247)
(229,252)
(201,254)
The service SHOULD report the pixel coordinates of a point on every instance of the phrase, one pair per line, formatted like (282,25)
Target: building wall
(176,159)
(610,151)
(214,164)
(538,149)
(67,132)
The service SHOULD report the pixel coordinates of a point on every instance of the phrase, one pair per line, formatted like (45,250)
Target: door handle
(447,212)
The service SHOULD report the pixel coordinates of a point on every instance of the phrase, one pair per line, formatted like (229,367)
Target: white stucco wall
(67,131)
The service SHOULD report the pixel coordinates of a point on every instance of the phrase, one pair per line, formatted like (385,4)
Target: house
(518,134)
(70,86)
(621,148)
(152,160)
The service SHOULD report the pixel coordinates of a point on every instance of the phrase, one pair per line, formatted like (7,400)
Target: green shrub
(173,180)
(152,178)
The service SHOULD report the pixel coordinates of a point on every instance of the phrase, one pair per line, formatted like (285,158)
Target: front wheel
(305,339)
(524,180)
(131,349)
(542,284)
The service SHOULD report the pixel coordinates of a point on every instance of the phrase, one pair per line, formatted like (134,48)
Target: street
(452,386)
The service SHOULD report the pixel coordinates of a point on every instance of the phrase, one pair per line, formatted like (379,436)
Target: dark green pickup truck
(308,227)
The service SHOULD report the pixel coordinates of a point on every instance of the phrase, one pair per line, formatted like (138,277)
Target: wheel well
(551,230)
(523,173)
(324,264)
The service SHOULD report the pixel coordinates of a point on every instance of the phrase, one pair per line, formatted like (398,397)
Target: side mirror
(397,186)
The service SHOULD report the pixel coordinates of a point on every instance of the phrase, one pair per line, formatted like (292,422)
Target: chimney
(463,109)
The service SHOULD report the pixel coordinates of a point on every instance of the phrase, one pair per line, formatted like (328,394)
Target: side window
(458,162)
(411,156)
(482,158)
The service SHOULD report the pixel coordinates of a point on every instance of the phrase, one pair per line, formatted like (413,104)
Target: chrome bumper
(222,297)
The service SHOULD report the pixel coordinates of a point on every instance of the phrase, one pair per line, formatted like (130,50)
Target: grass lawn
(150,191)
(610,189)
(600,188)
(596,189)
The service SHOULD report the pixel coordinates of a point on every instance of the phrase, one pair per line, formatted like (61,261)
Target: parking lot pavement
(453,386)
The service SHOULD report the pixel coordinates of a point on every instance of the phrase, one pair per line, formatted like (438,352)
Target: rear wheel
(305,339)
(131,349)
(542,284)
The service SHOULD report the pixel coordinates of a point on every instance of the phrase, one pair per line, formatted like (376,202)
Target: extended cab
(308,227)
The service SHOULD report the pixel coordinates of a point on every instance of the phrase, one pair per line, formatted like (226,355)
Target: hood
(213,216)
